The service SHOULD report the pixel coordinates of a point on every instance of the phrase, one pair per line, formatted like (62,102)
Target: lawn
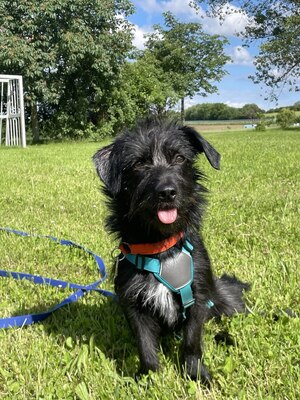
(86,351)
(221,126)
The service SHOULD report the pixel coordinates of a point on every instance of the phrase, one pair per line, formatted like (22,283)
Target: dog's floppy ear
(202,146)
(107,170)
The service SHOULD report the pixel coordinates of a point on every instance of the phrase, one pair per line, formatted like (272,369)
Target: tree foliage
(150,88)
(276,25)
(221,111)
(285,118)
(70,53)
(142,89)
(78,79)
(191,60)
(294,107)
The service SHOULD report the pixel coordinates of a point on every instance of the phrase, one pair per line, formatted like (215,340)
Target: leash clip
(115,256)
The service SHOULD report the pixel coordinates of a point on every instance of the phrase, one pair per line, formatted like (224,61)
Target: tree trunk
(182,111)
(35,123)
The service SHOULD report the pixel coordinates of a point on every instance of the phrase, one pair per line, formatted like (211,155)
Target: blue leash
(82,290)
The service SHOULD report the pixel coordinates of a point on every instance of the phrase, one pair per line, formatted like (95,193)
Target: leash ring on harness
(115,256)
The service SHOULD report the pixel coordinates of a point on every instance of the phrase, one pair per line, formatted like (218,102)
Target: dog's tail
(229,296)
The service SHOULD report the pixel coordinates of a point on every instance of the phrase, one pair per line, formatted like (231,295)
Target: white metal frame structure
(12,119)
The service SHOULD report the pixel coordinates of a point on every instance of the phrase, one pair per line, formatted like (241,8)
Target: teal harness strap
(186,294)
(144,263)
(164,272)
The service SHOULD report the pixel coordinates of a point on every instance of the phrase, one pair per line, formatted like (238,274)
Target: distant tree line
(221,111)
(294,107)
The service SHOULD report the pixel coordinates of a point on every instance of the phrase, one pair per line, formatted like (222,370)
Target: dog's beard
(166,218)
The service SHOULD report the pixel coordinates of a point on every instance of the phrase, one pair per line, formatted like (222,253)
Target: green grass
(86,351)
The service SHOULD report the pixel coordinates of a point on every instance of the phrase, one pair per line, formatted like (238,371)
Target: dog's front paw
(144,374)
(196,370)
(145,368)
(205,376)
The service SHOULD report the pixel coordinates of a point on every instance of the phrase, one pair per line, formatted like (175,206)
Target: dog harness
(176,273)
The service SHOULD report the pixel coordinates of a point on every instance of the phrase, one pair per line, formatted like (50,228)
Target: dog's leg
(192,352)
(147,332)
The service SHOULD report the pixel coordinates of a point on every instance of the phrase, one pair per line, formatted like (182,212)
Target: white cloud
(189,102)
(149,6)
(233,21)
(235,104)
(241,56)
(181,8)
(139,32)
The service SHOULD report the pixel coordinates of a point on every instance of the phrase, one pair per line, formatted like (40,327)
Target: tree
(199,112)
(70,54)
(285,118)
(142,89)
(220,111)
(276,25)
(296,106)
(149,86)
(263,123)
(191,59)
(250,111)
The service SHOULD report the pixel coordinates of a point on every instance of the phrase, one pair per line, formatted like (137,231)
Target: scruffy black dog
(164,279)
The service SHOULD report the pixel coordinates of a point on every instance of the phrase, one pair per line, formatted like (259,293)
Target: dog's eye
(179,159)
(138,164)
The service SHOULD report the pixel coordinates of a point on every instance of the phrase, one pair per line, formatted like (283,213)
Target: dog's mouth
(167,216)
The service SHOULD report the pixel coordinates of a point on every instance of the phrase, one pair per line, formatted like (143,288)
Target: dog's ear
(202,146)
(107,170)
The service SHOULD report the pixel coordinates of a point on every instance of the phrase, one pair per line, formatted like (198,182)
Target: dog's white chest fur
(157,297)
(160,298)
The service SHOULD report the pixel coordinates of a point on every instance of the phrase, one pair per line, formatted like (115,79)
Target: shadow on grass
(105,325)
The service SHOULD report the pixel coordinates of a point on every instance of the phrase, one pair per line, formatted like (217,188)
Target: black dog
(164,279)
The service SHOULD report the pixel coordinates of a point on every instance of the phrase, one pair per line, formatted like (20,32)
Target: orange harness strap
(150,248)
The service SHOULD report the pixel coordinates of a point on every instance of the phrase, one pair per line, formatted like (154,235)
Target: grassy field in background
(86,351)
(232,125)
(206,126)
(221,126)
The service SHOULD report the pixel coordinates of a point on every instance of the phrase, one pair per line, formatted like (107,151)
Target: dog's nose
(167,193)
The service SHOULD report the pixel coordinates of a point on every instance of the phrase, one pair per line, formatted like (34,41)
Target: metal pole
(1,110)
(22,112)
(7,137)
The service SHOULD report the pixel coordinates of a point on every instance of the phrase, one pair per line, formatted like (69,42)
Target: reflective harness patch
(176,273)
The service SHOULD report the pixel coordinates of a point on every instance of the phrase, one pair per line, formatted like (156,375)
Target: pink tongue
(167,216)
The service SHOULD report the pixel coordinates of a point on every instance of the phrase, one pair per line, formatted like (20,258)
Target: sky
(236,88)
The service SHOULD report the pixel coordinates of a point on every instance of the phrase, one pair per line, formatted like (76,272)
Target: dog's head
(149,174)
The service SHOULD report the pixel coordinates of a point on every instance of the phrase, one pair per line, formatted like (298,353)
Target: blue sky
(236,89)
